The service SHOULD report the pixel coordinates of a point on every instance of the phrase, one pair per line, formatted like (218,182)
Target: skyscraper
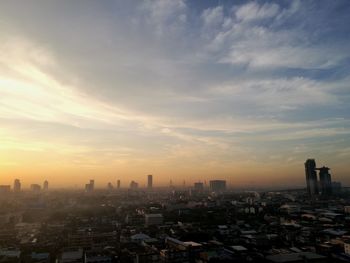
(149,181)
(90,186)
(325,181)
(118,184)
(17,186)
(134,185)
(217,185)
(311,177)
(198,186)
(35,187)
(46,186)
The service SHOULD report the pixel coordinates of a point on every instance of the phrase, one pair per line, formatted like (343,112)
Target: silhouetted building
(109,186)
(5,189)
(118,184)
(17,185)
(325,181)
(90,186)
(336,187)
(149,181)
(134,185)
(35,187)
(199,186)
(311,177)
(46,186)
(217,185)
(153,219)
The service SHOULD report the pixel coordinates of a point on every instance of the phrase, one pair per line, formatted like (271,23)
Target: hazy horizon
(244,91)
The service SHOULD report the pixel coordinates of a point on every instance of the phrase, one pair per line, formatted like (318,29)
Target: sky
(190,91)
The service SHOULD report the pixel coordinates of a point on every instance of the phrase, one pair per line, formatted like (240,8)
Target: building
(134,185)
(149,181)
(153,219)
(46,185)
(198,187)
(297,257)
(90,186)
(311,177)
(35,187)
(118,184)
(5,188)
(110,186)
(17,186)
(217,185)
(347,209)
(325,181)
(347,247)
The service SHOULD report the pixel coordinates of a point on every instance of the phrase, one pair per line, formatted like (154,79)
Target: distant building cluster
(17,187)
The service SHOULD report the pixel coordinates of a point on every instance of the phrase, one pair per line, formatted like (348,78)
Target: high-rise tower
(311,177)
(149,181)
(17,185)
(325,181)
(46,185)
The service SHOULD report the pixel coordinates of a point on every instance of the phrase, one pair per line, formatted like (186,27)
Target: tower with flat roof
(311,177)
(149,181)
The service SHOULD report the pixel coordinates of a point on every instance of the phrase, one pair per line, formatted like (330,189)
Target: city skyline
(243,91)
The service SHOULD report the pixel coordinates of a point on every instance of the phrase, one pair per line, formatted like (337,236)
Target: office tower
(35,187)
(90,186)
(149,181)
(118,184)
(134,185)
(311,177)
(46,186)
(110,186)
(217,185)
(199,187)
(17,186)
(325,181)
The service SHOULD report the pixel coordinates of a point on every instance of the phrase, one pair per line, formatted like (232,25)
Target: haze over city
(243,91)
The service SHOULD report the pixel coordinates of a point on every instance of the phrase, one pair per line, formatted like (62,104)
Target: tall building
(311,177)
(35,187)
(46,185)
(118,184)
(134,185)
(17,186)
(325,181)
(90,186)
(110,186)
(149,181)
(217,185)
(199,186)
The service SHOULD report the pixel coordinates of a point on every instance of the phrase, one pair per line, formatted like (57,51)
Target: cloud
(254,11)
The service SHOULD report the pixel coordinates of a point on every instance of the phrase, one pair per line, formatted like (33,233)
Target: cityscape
(197,223)
(174,131)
